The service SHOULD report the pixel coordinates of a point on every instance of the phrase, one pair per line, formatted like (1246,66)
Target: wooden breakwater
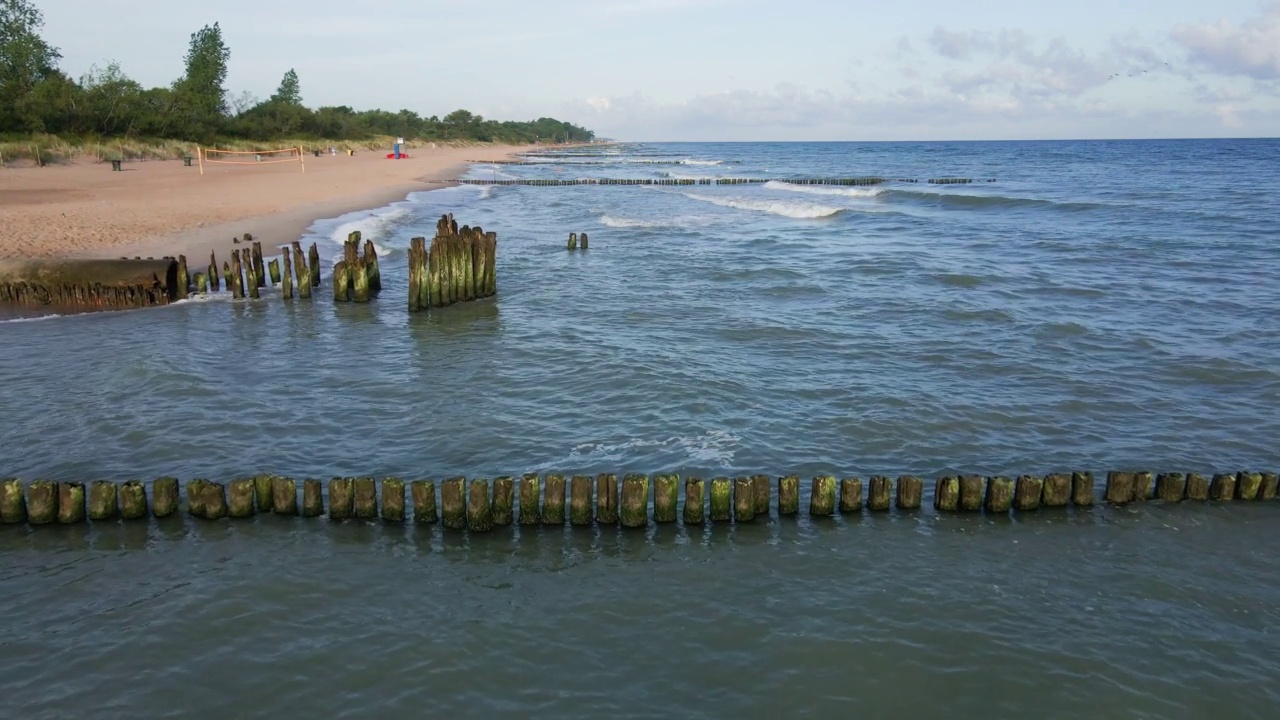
(92,284)
(246,275)
(636,501)
(459,266)
(357,276)
(841,182)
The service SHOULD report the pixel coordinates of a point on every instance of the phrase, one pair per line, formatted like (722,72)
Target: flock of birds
(1136,74)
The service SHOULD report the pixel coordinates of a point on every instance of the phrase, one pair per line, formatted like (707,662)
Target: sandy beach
(159,208)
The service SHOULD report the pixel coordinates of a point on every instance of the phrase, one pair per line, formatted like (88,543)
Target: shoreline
(84,210)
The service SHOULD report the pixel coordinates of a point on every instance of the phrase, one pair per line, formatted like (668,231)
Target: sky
(742,70)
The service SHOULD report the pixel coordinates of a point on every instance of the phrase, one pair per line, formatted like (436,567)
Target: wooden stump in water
(42,502)
(366,498)
(313,264)
(342,498)
(184,280)
(479,512)
(580,500)
(1082,488)
(760,487)
(341,282)
(1223,487)
(910,492)
(133,500)
(721,499)
(214,498)
(240,500)
(13,504)
(273,267)
(583,240)
(971,489)
(744,500)
(417,274)
(1247,485)
(302,271)
(235,279)
(573,241)
(530,509)
(215,283)
(666,497)
(1141,487)
(851,495)
(999,494)
(359,281)
(1027,493)
(103,504)
(372,269)
(553,500)
(195,497)
(453,501)
(694,501)
(822,496)
(788,495)
(491,272)
(70,502)
(435,269)
(164,497)
(504,499)
(1171,487)
(946,494)
(607,499)
(635,501)
(1119,487)
(879,493)
(1268,489)
(424,502)
(1057,490)
(1197,487)
(312,498)
(263,492)
(284,496)
(259,275)
(286,281)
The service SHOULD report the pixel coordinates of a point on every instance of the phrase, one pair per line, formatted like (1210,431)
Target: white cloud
(1251,49)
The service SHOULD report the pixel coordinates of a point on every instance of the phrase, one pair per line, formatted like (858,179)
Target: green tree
(289,92)
(25,59)
(202,99)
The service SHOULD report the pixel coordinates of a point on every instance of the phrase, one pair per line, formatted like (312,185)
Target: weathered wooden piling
(164,497)
(284,496)
(201,283)
(1082,488)
(553,500)
(42,502)
(1056,491)
(1268,489)
(70,502)
(453,503)
(744,500)
(313,264)
(504,499)
(214,283)
(103,504)
(213,498)
(435,274)
(133,500)
(999,494)
(635,501)
(1171,487)
(184,280)
(1197,487)
(286,280)
(971,492)
(341,282)
(360,291)
(259,275)
(366,498)
(761,488)
(879,493)
(695,512)
(607,499)
(419,297)
(1119,487)
(253,279)
(583,241)
(263,493)
(822,496)
(1247,485)
(372,269)
(946,494)
(1223,487)
(312,498)
(195,497)
(580,500)
(530,492)
(851,495)
(1027,493)
(666,497)
(235,280)
(342,498)
(13,504)
(479,510)
(240,497)
(273,268)
(788,495)
(910,492)
(721,499)
(573,241)
(1141,486)
(424,502)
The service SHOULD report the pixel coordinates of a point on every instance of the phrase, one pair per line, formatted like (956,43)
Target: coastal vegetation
(105,112)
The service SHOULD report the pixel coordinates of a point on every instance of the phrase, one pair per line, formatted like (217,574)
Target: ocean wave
(823,189)
(963,201)
(716,447)
(622,222)
(373,225)
(36,318)
(784,208)
(701,162)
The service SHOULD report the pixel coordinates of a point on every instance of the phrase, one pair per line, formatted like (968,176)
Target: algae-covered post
(284,496)
(721,499)
(312,498)
(1027,492)
(744,500)
(214,283)
(553,499)
(13,505)
(164,497)
(273,268)
(342,498)
(999,494)
(366,498)
(1082,488)
(635,501)
(851,495)
(1197,487)
(910,492)
(424,502)
(573,241)
(286,280)
(133,500)
(946,494)
(666,497)
(504,499)
(580,500)
(1057,490)
(42,502)
(103,503)
(879,493)
(607,499)
(240,500)
(1171,487)
(530,493)
(760,487)
(822,496)
(453,501)
(1119,487)
(788,495)
(71,502)
(694,501)
(313,264)
(479,510)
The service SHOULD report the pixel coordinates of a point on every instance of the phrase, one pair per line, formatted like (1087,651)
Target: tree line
(37,97)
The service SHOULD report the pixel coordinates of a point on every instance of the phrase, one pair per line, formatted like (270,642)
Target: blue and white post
(396,147)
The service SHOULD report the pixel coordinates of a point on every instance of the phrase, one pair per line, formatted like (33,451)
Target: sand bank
(164,208)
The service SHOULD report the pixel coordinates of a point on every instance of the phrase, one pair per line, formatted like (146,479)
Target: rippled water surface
(1102,305)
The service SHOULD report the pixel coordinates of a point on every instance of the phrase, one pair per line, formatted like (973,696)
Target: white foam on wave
(715,448)
(823,189)
(615,221)
(785,208)
(373,225)
(37,318)
(701,162)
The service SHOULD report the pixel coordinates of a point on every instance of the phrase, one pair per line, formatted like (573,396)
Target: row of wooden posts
(357,276)
(548,500)
(461,265)
(575,239)
(559,161)
(860,181)
(246,275)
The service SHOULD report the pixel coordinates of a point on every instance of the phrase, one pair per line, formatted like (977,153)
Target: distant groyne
(842,182)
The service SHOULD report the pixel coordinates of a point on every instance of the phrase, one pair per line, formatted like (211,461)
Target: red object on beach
(392,156)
